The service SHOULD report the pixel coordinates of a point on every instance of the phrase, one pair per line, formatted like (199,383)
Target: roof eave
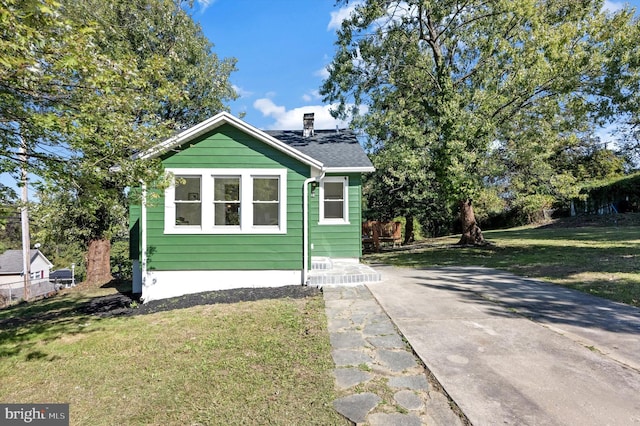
(365,169)
(39,253)
(217,121)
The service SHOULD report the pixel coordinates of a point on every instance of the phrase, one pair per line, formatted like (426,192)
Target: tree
(48,68)
(9,219)
(446,82)
(186,83)
(141,70)
(398,189)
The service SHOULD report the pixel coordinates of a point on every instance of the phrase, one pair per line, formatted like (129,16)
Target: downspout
(143,236)
(305,224)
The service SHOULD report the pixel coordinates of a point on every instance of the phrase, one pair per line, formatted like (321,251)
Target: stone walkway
(380,379)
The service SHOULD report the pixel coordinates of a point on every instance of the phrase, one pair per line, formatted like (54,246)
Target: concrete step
(321,263)
(344,274)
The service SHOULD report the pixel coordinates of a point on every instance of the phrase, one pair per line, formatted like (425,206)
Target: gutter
(305,224)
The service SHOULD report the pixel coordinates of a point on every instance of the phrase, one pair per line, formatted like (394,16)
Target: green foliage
(120,263)
(624,190)
(455,95)
(9,217)
(85,85)
(487,204)
(417,227)
(532,206)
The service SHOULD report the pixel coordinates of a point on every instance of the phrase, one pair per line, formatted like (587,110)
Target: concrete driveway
(510,350)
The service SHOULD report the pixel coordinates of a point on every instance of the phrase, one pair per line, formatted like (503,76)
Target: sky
(282,49)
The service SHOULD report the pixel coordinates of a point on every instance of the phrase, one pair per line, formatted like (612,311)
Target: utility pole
(24,219)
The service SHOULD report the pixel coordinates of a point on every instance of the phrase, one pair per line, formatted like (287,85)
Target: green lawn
(604,261)
(264,362)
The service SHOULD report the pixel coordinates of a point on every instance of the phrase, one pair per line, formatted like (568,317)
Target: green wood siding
(338,241)
(227,147)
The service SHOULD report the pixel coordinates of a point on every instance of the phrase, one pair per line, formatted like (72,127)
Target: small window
(187,201)
(333,204)
(333,200)
(226,200)
(266,201)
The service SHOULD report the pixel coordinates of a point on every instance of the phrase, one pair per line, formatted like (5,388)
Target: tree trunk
(99,262)
(471,232)
(408,230)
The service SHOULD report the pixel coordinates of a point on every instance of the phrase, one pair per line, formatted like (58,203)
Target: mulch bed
(126,304)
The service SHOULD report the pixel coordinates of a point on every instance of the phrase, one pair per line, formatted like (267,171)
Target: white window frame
(246,202)
(345,206)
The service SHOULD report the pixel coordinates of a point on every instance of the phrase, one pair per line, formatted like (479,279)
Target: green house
(247,208)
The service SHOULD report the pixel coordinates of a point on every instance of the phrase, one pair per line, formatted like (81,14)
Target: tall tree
(447,81)
(186,83)
(142,70)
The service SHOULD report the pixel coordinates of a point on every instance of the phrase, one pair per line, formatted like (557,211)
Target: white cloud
(292,119)
(613,6)
(204,4)
(312,95)
(268,108)
(323,73)
(340,15)
(242,93)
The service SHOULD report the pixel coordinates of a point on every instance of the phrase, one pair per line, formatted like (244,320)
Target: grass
(263,362)
(600,260)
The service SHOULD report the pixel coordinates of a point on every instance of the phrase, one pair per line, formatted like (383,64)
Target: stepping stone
(356,407)
(379,317)
(343,357)
(392,341)
(346,340)
(418,382)
(334,325)
(396,360)
(409,400)
(349,377)
(395,419)
(439,411)
(379,329)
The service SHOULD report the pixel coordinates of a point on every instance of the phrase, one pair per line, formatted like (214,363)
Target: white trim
(206,199)
(143,235)
(345,201)
(350,169)
(217,121)
(164,284)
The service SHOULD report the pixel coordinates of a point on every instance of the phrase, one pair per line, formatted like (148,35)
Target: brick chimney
(307,125)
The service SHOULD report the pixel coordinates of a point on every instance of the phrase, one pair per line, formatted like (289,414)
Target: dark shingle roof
(11,261)
(332,148)
(61,274)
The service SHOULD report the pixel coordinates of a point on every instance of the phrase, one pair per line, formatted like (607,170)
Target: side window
(188,201)
(334,203)
(333,200)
